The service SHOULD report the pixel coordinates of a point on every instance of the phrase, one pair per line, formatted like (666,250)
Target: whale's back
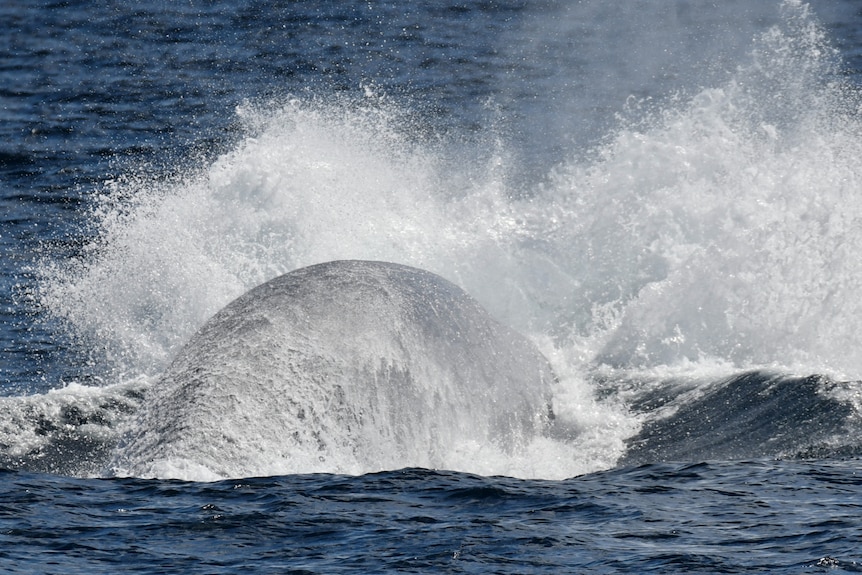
(347,366)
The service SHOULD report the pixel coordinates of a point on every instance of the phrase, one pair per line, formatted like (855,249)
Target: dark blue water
(663,198)
(693,518)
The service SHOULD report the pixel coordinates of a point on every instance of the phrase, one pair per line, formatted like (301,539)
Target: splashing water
(727,227)
(310,182)
(721,229)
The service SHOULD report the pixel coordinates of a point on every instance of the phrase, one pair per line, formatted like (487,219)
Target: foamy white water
(717,229)
(730,224)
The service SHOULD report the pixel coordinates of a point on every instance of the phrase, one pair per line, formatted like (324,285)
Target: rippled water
(696,518)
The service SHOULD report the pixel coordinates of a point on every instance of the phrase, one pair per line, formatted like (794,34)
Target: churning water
(712,232)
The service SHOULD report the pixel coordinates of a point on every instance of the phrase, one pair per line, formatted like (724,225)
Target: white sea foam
(727,225)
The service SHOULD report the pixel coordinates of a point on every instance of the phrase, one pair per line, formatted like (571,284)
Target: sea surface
(662,197)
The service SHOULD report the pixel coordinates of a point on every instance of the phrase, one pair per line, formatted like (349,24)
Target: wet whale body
(344,367)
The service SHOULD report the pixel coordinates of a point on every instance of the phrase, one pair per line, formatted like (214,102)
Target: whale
(347,366)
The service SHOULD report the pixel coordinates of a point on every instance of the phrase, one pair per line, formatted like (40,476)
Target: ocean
(651,204)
